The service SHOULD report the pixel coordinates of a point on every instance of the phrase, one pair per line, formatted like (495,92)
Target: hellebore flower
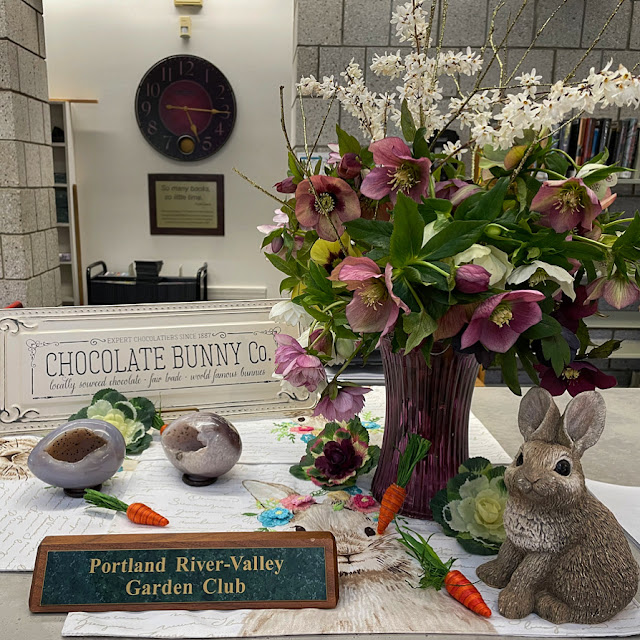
(348,402)
(453,320)
(455,190)
(575,378)
(296,365)
(398,172)
(333,203)
(498,321)
(374,209)
(374,307)
(330,254)
(290,313)
(617,291)
(569,314)
(566,204)
(539,271)
(495,261)
(286,186)
(472,278)
(334,153)
(350,166)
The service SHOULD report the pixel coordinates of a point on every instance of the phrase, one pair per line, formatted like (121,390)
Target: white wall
(101,49)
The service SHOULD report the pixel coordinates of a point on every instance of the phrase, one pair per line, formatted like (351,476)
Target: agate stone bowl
(203,445)
(78,455)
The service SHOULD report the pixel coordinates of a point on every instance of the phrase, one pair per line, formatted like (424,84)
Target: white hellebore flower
(289,313)
(495,261)
(539,271)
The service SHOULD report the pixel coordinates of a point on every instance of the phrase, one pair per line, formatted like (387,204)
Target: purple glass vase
(433,402)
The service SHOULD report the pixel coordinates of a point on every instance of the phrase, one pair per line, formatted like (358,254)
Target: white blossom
(539,271)
(453,149)
(290,313)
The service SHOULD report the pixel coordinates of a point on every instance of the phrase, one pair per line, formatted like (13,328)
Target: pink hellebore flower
(334,153)
(346,405)
(296,365)
(374,307)
(333,203)
(566,204)
(617,291)
(575,378)
(350,166)
(285,186)
(472,278)
(455,190)
(398,172)
(498,321)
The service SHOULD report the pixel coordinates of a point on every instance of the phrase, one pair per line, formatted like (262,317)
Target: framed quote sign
(210,355)
(186,204)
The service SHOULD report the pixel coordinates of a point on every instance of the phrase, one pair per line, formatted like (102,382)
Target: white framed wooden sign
(210,355)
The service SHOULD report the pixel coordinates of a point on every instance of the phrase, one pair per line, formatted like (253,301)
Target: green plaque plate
(185,571)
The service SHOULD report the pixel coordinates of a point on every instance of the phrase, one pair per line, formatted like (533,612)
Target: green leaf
(556,349)
(103,394)
(146,411)
(407,124)
(489,205)
(478,547)
(456,237)
(250,514)
(346,142)
(556,162)
(288,268)
(294,168)
(377,233)
(437,505)
(408,228)
(126,409)
(605,349)
(478,465)
(509,368)
(79,415)
(527,359)
(547,326)
(298,472)
(140,445)
(583,336)
(418,326)
(431,208)
(420,144)
(454,484)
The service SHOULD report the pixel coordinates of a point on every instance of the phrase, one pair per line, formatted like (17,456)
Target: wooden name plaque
(185,571)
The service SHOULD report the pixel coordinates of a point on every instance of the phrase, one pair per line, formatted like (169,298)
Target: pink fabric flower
(333,203)
(296,365)
(285,186)
(498,321)
(472,278)
(398,172)
(303,428)
(374,307)
(297,502)
(617,291)
(455,190)
(362,503)
(345,406)
(575,378)
(566,204)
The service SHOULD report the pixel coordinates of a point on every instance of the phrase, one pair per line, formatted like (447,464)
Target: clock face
(185,108)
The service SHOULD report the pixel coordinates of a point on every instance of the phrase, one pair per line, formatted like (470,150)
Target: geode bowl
(78,455)
(203,445)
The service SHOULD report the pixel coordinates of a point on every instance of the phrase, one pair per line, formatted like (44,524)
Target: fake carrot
(163,427)
(137,512)
(393,498)
(437,574)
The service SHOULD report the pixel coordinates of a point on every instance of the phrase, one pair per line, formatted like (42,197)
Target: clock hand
(214,111)
(192,126)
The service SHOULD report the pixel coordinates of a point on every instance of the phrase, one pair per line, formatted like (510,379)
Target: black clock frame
(151,88)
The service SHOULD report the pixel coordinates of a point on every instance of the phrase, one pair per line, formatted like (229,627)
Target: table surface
(614,459)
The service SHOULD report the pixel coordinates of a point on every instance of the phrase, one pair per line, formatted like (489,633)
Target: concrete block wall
(29,255)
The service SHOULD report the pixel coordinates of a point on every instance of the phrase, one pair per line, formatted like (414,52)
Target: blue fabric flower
(353,490)
(307,437)
(371,426)
(275,517)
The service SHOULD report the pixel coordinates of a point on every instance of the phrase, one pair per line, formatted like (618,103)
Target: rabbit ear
(583,420)
(538,416)
(263,491)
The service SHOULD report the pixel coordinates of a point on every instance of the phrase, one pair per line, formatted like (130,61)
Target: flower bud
(350,166)
(472,278)
(324,344)
(286,186)
(277,244)
(493,230)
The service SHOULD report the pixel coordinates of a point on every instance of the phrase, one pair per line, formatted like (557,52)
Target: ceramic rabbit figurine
(566,557)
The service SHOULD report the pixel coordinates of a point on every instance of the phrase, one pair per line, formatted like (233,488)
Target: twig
(304,132)
(324,122)
(284,203)
(284,131)
(595,42)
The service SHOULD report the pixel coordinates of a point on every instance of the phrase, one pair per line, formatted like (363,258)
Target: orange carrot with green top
(393,498)
(137,512)
(438,574)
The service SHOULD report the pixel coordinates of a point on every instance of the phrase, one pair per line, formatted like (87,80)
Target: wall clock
(185,107)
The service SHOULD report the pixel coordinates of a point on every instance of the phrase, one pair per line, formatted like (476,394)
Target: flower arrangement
(337,456)
(398,239)
(133,418)
(471,507)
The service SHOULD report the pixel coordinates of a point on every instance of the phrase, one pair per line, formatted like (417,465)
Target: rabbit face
(544,472)
(360,550)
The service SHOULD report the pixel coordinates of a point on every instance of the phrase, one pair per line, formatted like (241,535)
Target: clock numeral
(219,130)
(206,143)
(186,68)
(146,107)
(166,74)
(221,91)
(167,142)
(153,90)
(152,127)
(227,111)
